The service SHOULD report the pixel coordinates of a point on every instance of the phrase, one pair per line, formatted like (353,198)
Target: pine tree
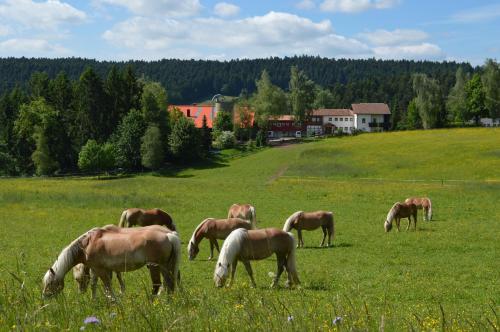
(301,94)
(206,136)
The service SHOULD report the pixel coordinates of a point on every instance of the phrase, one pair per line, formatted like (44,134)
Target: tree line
(60,125)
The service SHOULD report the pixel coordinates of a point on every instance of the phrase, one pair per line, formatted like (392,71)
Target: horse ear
(85,241)
(52,271)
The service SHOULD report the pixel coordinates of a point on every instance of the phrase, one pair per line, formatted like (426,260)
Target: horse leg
(281,262)
(120,280)
(248,267)
(323,228)
(211,250)
(154,272)
(330,231)
(233,271)
(409,223)
(300,242)
(168,278)
(397,222)
(216,245)
(93,283)
(106,276)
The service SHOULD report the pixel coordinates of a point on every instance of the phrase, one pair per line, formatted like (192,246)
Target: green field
(446,275)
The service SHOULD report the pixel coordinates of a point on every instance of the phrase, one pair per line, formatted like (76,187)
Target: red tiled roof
(370,108)
(196,113)
(332,112)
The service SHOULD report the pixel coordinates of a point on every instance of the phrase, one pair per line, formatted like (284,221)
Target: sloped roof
(196,113)
(282,118)
(332,112)
(370,108)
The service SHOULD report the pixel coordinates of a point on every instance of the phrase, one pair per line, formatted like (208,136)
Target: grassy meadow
(444,276)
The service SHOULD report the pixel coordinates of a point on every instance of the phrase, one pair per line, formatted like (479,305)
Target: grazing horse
(83,275)
(214,229)
(398,211)
(112,248)
(422,203)
(243,211)
(246,245)
(139,217)
(310,221)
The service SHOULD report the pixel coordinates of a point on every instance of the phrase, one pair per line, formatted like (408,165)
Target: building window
(345,119)
(363,120)
(374,120)
(336,119)
(350,119)
(330,119)
(345,128)
(188,113)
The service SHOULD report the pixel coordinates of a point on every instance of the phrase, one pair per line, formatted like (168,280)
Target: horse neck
(290,220)
(198,233)
(231,246)
(392,213)
(69,257)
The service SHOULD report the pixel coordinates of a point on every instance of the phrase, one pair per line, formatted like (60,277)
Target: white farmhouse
(335,118)
(371,116)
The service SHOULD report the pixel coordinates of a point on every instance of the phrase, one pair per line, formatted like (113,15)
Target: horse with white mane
(214,229)
(310,221)
(113,249)
(422,203)
(140,217)
(398,211)
(243,211)
(246,245)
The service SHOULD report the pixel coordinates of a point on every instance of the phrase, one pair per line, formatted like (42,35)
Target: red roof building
(196,113)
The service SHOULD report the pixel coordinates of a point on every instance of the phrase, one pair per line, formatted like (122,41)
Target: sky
(438,30)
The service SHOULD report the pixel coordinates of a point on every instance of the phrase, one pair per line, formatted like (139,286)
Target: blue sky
(461,30)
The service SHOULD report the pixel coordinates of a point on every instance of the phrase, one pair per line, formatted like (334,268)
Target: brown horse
(422,203)
(243,211)
(214,229)
(112,248)
(310,221)
(246,245)
(398,211)
(139,217)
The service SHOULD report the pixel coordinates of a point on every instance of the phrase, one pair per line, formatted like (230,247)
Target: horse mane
(392,212)
(196,230)
(288,223)
(67,257)
(232,246)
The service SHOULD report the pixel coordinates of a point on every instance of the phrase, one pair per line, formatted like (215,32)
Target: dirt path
(278,174)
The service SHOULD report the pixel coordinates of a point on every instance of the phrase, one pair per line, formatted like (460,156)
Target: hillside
(444,275)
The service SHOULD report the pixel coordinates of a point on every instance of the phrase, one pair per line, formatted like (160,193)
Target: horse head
(221,273)
(193,250)
(52,284)
(387,226)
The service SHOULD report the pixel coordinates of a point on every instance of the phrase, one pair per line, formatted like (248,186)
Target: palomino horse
(140,217)
(214,229)
(422,203)
(243,211)
(246,245)
(310,221)
(83,275)
(398,211)
(112,248)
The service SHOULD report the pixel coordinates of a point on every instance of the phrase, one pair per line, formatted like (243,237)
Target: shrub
(185,140)
(151,148)
(225,140)
(95,157)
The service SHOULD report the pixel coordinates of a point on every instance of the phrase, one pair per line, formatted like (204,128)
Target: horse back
(262,243)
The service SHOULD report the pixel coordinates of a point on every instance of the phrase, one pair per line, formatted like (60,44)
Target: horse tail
(291,264)
(332,226)
(288,223)
(123,219)
(175,257)
(253,217)
(429,212)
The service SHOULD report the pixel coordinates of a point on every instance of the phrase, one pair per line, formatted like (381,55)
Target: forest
(63,115)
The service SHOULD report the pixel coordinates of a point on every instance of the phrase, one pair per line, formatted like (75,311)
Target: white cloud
(170,8)
(354,6)
(31,47)
(480,14)
(306,4)
(384,37)
(416,52)
(274,34)
(43,15)
(224,9)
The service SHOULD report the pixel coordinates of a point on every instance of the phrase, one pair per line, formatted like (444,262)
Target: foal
(309,221)
(398,211)
(214,229)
